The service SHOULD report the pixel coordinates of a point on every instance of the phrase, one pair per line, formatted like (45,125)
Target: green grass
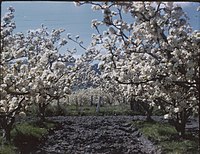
(156,131)
(86,110)
(27,129)
(46,124)
(27,135)
(7,149)
(180,147)
(166,137)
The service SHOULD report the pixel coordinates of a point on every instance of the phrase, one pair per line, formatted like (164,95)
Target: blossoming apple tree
(50,74)
(14,74)
(152,47)
(32,70)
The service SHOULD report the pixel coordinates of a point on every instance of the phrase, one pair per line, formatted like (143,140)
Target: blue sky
(75,20)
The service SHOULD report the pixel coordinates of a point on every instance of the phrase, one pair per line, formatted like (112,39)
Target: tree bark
(76,100)
(149,112)
(59,110)
(132,103)
(42,112)
(91,100)
(7,135)
(7,124)
(180,122)
(98,104)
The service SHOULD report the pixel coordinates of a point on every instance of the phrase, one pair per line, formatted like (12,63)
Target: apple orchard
(153,60)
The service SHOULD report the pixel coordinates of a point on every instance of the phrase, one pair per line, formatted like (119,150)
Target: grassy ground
(7,149)
(166,137)
(162,134)
(25,136)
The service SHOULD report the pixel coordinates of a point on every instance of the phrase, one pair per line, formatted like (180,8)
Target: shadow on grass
(27,136)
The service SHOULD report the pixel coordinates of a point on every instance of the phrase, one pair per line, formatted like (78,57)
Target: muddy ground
(99,135)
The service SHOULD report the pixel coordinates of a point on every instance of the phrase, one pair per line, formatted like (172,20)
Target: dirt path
(96,135)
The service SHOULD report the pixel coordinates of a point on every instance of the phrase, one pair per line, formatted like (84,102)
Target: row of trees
(156,55)
(152,58)
(33,71)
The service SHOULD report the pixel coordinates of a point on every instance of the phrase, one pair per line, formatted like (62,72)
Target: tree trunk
(149,113)
(180,127)
(67,100)
(91,100)
(7,124)
(42,112)
(98,105)
(183,122)
(132,101)
(180,122)
(111,100)
(58,104)
(59,109)
(7,135)
(123,100)
(76,100)
(149,118)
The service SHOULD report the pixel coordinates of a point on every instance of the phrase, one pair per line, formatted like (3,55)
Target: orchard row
(154,59)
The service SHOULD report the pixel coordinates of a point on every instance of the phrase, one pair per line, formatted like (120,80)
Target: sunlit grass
(180,147)
(166,137)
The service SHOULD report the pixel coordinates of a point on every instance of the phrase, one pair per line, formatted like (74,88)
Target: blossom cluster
(32,69)
(156,56)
